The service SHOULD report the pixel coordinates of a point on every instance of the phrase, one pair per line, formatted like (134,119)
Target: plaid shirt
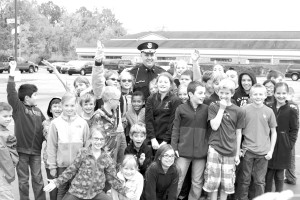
(90,175)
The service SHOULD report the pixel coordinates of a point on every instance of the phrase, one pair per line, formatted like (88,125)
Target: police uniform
(142,74)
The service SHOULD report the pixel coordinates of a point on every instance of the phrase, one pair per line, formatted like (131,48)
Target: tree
(52,11)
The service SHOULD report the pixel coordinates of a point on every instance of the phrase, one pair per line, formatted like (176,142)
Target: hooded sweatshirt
(240,96)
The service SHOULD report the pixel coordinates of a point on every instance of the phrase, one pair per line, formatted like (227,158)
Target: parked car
(58,66)
(23,65)
(80,67)
(117,64)
(293,72)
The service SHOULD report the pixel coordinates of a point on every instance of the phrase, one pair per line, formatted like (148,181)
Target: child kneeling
(90,169)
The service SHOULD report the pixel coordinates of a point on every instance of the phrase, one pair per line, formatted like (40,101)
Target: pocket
(285,140)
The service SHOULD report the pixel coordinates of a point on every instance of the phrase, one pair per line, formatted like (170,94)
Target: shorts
(219,170)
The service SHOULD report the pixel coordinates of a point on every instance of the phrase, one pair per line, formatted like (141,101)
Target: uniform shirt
(143,76)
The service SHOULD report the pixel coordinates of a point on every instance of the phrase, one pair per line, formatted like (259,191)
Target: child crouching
(90,169)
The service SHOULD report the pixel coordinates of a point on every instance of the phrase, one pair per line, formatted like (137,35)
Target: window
(221,59)
(259,60)
(289,61)
(166,58)
(113,57)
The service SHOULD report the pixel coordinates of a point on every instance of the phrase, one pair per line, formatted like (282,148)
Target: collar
(69,119)
(190,104)
(131,144)
(3,128)
(148,69)
(171,170)
(158,95)
(90,152)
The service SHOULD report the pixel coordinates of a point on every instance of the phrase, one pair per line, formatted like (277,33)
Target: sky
(197,15)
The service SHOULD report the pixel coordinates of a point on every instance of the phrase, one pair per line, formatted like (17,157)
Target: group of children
(104,141)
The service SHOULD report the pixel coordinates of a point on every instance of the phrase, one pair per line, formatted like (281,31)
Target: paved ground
(49,87)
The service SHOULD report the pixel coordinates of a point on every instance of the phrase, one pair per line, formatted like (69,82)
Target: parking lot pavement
(49,86)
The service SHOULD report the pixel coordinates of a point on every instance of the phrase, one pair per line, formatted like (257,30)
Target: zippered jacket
(160,116)
(190,136)
(90,175)
(28,122)
(65,138)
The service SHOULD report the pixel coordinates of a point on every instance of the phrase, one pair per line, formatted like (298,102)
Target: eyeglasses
(114,79)
(126,80)
(169,156)
(98,139)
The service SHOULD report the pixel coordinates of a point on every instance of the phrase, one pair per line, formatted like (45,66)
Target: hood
(251,75)
(49,107)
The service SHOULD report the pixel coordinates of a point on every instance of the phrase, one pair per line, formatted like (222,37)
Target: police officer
(147,71)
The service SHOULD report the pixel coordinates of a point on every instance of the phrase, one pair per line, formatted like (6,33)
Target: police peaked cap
(148,47)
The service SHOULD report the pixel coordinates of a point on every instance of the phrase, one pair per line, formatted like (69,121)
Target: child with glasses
(138,147)
(89,171)
(161,179)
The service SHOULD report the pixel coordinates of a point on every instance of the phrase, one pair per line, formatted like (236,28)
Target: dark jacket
(160,185)
(240,96)
(160,116)
(189,134)
(28,122)
(130,149)
(143,76)
(287,132)
(269,101)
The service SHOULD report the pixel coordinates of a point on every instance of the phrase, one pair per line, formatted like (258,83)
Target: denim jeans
(257,166)
(101,196)
(53,193)
(63,189)
(198,166)
(290,174)
(34,162)
(278,176)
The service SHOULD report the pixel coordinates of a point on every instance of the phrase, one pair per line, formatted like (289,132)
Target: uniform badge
(149,45)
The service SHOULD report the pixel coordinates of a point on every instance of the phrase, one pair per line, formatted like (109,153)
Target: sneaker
(287,181)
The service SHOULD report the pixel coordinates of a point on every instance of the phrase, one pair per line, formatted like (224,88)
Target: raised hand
(99,56)
(195,55)
(13,66)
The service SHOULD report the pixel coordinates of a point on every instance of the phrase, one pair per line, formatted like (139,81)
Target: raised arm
(58,75)
(215,122)
(197,75)
(12,95)
(98,80)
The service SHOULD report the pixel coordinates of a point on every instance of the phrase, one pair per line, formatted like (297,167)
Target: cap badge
(149,45)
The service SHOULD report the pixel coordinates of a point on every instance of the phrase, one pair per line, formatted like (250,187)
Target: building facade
(232,47)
